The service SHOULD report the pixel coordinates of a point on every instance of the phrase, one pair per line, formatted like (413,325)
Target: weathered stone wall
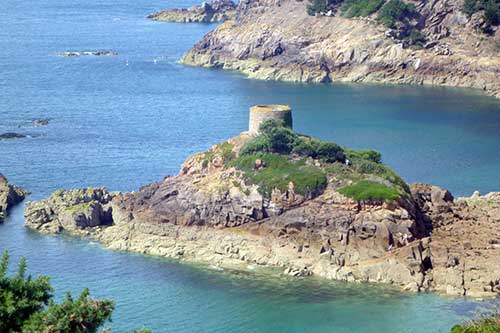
(261,113)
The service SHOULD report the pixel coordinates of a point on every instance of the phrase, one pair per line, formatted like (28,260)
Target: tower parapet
(261,113)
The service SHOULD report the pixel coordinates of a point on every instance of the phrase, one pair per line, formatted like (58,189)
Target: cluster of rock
(208,213)
(10,195)
(97,53)
(278,40)
(207,12)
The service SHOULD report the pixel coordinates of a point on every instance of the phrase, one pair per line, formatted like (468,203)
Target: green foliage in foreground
(486,324)
(26,305)
(279,171)
(367,190)
(354,8)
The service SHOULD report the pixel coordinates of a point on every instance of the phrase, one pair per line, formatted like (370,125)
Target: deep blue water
(128,120)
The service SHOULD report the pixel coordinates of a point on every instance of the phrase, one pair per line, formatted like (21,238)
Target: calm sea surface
(128,120)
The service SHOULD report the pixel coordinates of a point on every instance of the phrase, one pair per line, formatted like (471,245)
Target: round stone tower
(261,113)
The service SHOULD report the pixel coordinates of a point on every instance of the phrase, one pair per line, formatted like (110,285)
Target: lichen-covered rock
(10,195)
(278,40)
(207,12)
(73,210)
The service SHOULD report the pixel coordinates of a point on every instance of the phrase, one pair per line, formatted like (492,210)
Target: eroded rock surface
(208,213)
(207,12)
(278,40)
(10,195)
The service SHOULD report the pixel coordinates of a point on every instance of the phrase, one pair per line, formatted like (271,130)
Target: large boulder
(10,195)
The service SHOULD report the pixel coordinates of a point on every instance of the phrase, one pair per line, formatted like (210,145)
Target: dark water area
(128,120)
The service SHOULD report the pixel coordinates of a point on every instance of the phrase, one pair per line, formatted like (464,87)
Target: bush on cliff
(491,11)
(279,139)
(396,11)
(354,8)
(26,305)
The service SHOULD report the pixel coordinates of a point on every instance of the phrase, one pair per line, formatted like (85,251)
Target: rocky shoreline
(207,12)
(10,195)
(278,40)
(209,213)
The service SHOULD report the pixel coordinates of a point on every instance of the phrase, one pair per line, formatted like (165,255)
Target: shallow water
(128,120)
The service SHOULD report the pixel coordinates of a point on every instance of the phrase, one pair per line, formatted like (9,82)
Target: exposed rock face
(207,12)
(73,210)
(277,40)
(10,195)
(207,213)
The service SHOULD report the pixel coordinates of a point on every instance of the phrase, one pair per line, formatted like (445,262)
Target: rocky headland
(278,199)
(207,12)
(10,195)
(437,42)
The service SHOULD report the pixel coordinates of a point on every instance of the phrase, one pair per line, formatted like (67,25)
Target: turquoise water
(128,120)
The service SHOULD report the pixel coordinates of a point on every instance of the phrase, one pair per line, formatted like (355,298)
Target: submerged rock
(10,195)
(40,122)
(89,53)
(12,135)
(214,11)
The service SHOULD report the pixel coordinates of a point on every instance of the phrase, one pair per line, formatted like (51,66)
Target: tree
(20,296)
(26,305)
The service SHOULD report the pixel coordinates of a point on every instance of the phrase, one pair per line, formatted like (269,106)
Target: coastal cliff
(437,44)
(10,195)
(308,207)
(207,12)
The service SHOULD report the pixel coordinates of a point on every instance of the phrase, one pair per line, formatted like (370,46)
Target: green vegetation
(279,156)
(354,8)
(279,171)
(395,14)
(485,324)
(224,150)
(491,10)
(317,6)
(26,305)
(396,11)
(367,190)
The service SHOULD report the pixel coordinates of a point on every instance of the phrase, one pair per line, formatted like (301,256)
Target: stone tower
(261,113)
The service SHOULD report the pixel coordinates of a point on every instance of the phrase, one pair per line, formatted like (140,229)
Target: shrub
(492,12)
(328,151)
(279,172)
(26,306)
(258,145)
(282,140)
(485,324)
(366,190)
(469,7)
(416,38)
(396,11)
(367,154)
(83,315)
(353,8)
(20,296)
(317,6)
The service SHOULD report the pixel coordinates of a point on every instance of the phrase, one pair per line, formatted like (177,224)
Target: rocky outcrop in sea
(278,40)
(219,210)
(10,195)
(207,12)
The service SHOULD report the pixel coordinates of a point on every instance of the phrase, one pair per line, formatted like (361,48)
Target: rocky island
(272,197)
(207,12)
(440,42)
(10,195)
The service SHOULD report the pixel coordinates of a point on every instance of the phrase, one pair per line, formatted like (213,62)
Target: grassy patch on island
(367,190)
(279,171)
